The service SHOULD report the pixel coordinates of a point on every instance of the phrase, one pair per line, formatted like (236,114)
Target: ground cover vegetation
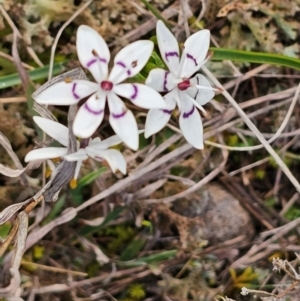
(149,150)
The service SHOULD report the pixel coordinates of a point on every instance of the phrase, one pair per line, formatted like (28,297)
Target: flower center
(184,85)
(106,85)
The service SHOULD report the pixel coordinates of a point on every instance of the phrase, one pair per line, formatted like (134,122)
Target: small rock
(221,215)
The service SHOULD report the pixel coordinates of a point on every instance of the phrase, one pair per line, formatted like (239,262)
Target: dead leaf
(100,256)
(8,212)
(9,172)
(19,249)
(94,222)
(7,146)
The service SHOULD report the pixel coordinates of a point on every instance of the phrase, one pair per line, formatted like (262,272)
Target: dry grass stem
(13,99)
(53,48)
(274,137)
(249,123)
(10,58)
(53,269)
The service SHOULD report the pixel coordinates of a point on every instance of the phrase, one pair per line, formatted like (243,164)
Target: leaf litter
(157,257)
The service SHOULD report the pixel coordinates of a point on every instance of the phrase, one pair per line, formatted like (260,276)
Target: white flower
(94,55)
(95,148)
(187,92)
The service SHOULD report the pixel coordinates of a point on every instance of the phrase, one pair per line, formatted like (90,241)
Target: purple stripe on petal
(76,96)
(86,106)
(91,62)
(102,60)
(121,64)
(124,66)
(135,93)
(189,56)
(167,111)
(188,114)
(117,116)
(172,53)
(166,80)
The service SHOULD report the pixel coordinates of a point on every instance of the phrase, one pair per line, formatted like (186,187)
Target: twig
(202,12)
(53,48)
(289,204)
(195,187)
(250,124)
(53,269)
(183,4)
(246,76)
(257,163)
(139,8)
(13,99)
(276,135)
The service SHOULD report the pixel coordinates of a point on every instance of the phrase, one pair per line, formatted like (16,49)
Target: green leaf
(111,216)
(151,259)
(146,70)
(220,54)
(157,60)
(56,210)
(292,214)
(38,73)
(77,195)
(89,178)
(154,11)
(135,246)
(4,229)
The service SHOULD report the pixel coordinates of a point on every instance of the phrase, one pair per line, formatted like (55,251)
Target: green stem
(36,74)
(220,54)
(155,12)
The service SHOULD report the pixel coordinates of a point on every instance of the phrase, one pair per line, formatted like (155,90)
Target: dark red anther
(106,85)
(184,85)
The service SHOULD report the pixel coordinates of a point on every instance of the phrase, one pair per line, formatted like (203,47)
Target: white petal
(175,95)
(194,53)
(190,123)
(123,122)
(141,95)
(89,116)
(161,80)
(113,157)
(168,47)
(77,169)
(53,129)
(157,118)
(80,155)
(131,60)
(95,141)
(187,97)
(66,93)
(105,144)
(202,96)
(93,52)
(46,153)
